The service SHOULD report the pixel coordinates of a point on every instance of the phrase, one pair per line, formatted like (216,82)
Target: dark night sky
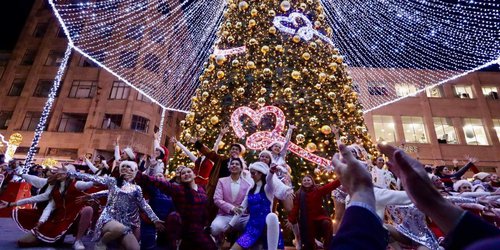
(13,14)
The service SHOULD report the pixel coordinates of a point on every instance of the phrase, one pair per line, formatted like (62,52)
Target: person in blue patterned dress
(120,217)
(258,203)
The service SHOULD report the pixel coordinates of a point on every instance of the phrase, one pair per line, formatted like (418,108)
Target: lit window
(384,129)
(496,126)
(474,132)
(83,89)
(139,123)
(490,92)
(405,89)
(143,98)
(5,117)
(435,92)
(112,121)
(377,88)
(414,129)
(119,91)
(17,87)
(464,92)
(445,131)
(72,123)
(54,58)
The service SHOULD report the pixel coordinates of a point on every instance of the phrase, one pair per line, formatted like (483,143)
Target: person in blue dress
(263,225)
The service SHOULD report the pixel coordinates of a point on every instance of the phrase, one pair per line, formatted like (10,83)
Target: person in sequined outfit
(258,204)
(120,217)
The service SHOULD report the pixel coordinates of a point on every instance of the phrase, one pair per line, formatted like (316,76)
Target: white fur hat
(481,175)
(129,163)
(458,184)
(129,152)
(263,152)
(260,166)
(276,142)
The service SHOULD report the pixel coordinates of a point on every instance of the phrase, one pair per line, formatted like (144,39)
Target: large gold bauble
(214,120)
(296,75)
(220,74)
(333,66)
(317,24)
(223,87)
(250,65)
(210,67)
(253,41)
(261,101)
(325,129)
(254,12)
(272,30)
(229,24)
(238,25)
(322,77)
(310,2)
(351,107)
(279,48)
(303,6)
(311,147)
(321,17)
(331,95)
(182,123)
(225,33)
(198,126)
(296,39)
(190,117)
(252,23)
(220,59)
(264,49)
(187,136)
(340,59)
(214,101)
(240,91)
(305,71)
(349,79)
(313,45)
(306,56)
(243,5)
(313,121)
(206,82)
(271,13)
(202,131)
(332,78)
(300,138)
(317,102)
(235,63)
(262,91)
(301,100)
(205,94)
(285,6)
(317,86)
(230,39)
(267,72)
(288,91)
(194,98)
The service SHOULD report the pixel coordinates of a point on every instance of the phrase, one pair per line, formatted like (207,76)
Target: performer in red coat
(62,214)
(309,214)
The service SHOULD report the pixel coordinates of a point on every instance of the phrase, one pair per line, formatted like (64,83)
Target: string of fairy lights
(159,47)
(46,110)
(417,43)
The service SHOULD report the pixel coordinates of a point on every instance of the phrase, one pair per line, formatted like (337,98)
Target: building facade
(444,124)
(92,107)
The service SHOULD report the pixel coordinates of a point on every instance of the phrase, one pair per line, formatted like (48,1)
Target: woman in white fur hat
(120,217)
(258,204)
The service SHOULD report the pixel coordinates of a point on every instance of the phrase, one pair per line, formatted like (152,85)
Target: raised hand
(471,159)
(173,140)
(291,126)
(420,189)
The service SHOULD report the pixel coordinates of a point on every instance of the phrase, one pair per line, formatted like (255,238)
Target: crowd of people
(387,200)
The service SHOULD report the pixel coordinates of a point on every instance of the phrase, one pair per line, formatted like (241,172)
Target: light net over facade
(159,46)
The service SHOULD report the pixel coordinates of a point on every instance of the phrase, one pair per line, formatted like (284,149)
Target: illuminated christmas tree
(277,53)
